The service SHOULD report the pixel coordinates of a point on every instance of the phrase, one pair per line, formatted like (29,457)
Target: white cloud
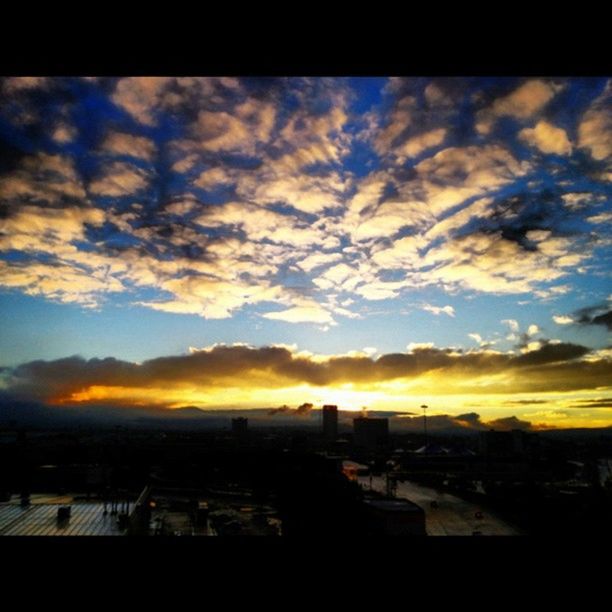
(548,138)
(399,120)
(532,330)
(317,260)
(212,177)
(119,179)
(455,174)
(140,96)
(121,143)
(595,128)
(420,143)
(449,310)
(419,345)
(512,324)
(523,103)
(604,217)
(302,314)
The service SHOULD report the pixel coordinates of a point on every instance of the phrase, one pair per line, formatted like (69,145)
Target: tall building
(330,422)
(370,433)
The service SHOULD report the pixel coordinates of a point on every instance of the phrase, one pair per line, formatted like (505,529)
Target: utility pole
(391,484)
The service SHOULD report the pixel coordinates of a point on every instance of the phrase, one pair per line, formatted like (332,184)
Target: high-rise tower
(330,422)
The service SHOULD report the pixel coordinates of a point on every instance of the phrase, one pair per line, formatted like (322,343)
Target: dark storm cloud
(594,315)
(474,421)
(509,423)
(304,409)
(551,353)
(301,410)
(280,410)
(593,403)
(464,422)
(520,213)
(553,367)
(471,419)
(603,319)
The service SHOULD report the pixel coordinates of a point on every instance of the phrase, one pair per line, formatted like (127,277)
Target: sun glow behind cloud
(569,381)
(550,410)
(467,214)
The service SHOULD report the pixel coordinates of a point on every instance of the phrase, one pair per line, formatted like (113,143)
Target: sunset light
(252,243)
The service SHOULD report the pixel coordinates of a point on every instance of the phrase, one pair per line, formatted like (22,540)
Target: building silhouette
(394,517)
(240,425)
(504,443)
(370,433)
(330,422)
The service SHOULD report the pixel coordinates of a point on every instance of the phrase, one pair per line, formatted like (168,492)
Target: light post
(424,407)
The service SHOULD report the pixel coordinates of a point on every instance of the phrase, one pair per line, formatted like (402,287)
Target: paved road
(453,516)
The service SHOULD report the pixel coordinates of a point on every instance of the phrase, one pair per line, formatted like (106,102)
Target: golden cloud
(559,367)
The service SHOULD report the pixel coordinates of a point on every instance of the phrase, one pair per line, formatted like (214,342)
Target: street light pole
(424,407)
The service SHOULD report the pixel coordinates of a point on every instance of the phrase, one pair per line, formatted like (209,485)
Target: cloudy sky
(251,242)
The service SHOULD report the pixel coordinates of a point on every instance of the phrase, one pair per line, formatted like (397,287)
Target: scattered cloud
(448,310)
(547,138)
(604,402)
(523,103)
(532,330)
(204,196)
(418,144)
(311,313)
(595,128)
(512,324)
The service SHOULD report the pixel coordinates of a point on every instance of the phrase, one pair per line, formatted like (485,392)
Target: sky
(259,242)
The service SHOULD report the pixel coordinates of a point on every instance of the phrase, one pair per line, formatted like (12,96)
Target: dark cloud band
(552,367)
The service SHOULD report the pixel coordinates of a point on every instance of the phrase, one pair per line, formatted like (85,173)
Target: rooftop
(40,519)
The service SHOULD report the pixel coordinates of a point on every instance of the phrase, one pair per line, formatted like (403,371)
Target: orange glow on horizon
(556,412)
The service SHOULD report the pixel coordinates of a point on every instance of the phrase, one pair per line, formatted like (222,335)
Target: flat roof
(86,518)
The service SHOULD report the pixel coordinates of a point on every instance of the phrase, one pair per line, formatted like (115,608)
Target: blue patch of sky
(17,138)
(217,195)
(16,256)
(567,107)
(368,92)
(362,159)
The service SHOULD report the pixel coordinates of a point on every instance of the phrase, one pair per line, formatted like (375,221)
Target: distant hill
(578,432)
(16,413)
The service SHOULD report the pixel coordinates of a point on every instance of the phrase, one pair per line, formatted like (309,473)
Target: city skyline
(252,243)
